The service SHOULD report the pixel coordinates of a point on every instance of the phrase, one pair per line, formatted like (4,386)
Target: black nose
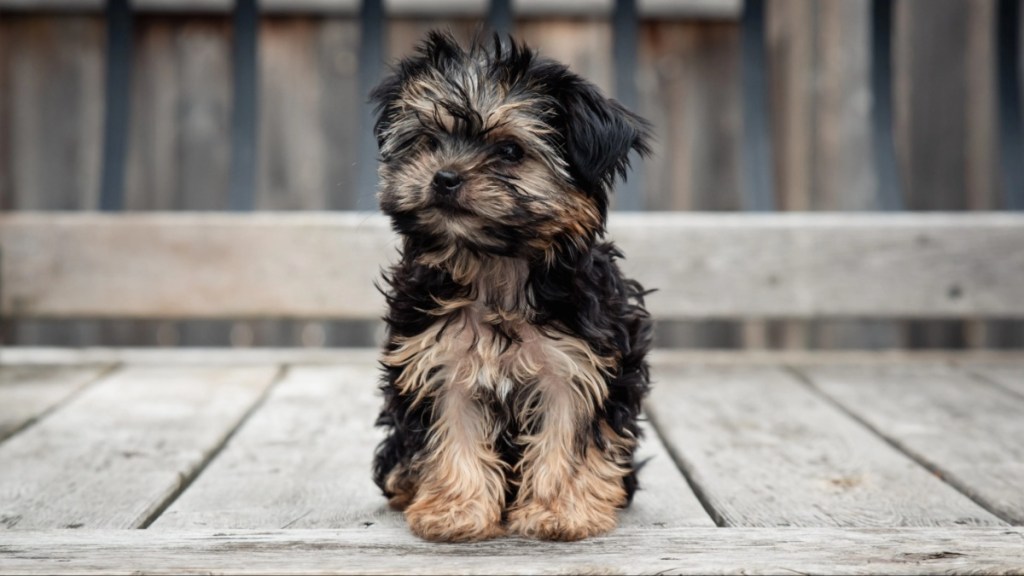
(446,181)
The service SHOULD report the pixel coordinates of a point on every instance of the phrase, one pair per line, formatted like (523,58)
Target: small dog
(514,366)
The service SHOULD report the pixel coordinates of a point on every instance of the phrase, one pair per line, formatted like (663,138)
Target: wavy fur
(514,367)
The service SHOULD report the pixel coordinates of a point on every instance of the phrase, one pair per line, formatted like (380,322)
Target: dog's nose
(446,182)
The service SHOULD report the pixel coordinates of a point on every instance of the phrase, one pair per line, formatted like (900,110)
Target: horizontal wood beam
(665,9)
(678,551)
(305,265)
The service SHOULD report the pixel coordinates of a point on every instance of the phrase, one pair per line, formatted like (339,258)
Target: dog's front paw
(452,520)
(558,521)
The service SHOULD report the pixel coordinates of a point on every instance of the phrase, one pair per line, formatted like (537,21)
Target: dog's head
(492,150)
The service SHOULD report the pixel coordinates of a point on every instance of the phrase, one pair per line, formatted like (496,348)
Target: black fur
(580,292)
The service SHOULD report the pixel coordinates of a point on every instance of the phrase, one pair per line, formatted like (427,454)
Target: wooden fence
(952,92)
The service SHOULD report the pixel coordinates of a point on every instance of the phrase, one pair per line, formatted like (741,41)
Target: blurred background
(778,105)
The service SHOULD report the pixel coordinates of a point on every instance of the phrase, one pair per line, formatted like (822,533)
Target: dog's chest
(499,352)
(472,349)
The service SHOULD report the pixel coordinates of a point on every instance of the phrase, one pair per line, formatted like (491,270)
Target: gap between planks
(191,477)
(964,428)
(30,393)
(303,460)
(129,439)
(763,451)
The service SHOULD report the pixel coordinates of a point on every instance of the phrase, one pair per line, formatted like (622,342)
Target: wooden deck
(203,461)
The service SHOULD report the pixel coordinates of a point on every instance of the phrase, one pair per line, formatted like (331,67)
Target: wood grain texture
(821,117)
(1009,377)
(930,86)
(1009,359)
(664,499)
(764,450)
(821,265)
(292,151)
(55,104)
(966,429)
(27,392)
(25,355)
(180,141)
(337,46)
(53,93)
(324,265)
(680,551)
(584,45)
(687,82)
(304,460)
(688,88)
(115,454)
(227,265)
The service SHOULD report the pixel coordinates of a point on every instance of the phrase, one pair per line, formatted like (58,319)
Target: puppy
(514,366)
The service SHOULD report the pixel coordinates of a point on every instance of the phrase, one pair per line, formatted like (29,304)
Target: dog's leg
(572,471)
(461,490)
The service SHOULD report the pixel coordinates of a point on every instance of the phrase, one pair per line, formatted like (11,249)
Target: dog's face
(494,151)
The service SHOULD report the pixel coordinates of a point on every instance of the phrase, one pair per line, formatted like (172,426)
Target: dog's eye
(509,151)
(431,142)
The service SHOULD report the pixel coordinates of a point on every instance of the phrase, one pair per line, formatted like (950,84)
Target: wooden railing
(779,106)
(325,266)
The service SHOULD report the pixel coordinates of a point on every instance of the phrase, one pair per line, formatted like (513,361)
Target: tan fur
(567,491)
(461,494)
(542,176)
(484,344)
(563,495)
(401,484)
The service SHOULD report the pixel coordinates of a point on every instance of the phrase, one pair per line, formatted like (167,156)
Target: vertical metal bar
(882,132)
(1011,124)
(499,16)
(758,188)
(625,27)
(5,338)
(371,63)
(245,101)
(117,103)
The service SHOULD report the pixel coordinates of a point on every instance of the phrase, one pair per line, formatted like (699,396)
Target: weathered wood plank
(53,108)
(113,456)
(27,392)
(821,57)
(680,551)
(292,151)
(967,430)
(1010,377)
(584,45)
(823,265)
(783,265)
(764,450)
(188,356)
(930,86)
(221,356)
(665,499)
(176,255)
(304,459)
(688,87)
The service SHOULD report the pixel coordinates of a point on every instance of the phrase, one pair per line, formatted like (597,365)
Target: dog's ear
(599,134)
(384,98)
